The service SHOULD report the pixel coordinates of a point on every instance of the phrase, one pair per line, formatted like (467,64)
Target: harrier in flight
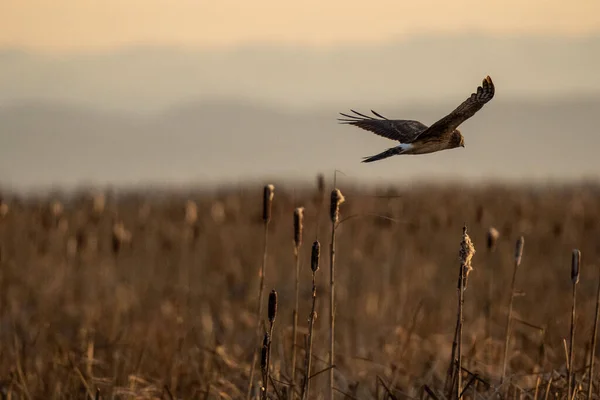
(418,138)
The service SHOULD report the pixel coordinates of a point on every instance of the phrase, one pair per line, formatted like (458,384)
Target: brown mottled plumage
(418,138)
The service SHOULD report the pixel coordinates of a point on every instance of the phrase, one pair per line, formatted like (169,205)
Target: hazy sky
(63,25)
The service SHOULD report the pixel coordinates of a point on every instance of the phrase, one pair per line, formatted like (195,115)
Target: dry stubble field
(151,296)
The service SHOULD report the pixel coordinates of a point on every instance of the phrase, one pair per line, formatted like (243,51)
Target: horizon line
(475,34)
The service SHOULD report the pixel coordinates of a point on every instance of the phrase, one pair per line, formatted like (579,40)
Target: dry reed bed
(156,296)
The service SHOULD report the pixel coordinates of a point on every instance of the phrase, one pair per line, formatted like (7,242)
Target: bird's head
(458,139)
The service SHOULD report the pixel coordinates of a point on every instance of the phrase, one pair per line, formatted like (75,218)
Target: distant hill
(420,70)
(43,144)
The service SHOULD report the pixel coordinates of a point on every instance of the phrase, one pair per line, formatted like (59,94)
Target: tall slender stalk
(575,266)
(314,266)
(334,210)
(298,228)
(518,257)
(467,250)
(593,345)
(451,372)
(266,358)
(492,239)
(264,365)
(268,193)
(461,301)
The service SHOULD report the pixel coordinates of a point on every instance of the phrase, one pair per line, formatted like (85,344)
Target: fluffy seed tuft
(298,226)
(467,250)
(337,198)
(492,238)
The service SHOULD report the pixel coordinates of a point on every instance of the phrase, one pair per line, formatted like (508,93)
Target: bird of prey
(416,137)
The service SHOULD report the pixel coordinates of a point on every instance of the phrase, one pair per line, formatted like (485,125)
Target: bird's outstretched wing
(466,110)
(402,130)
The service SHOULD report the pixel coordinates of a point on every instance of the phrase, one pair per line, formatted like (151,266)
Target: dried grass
(75,319)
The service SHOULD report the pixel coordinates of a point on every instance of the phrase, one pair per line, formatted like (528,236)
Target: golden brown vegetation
(146,296)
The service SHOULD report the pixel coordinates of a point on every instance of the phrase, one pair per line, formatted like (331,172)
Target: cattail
(268,193)
(575,261)
(120,236)
(321,184)
(267,202)
(298,226)
(467,250)
(336,199)
(334,210)
(314,266)
(272,311)
(315,256)
(3,208)
(191,212)
(98,203)
(56,208)
(519,250)
(492,238)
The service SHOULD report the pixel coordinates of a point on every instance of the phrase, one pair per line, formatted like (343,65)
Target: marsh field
(154,294)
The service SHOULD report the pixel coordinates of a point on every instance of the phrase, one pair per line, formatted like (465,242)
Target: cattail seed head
(321,188)
(337,198)
(467,250)
(191,212)
(315,255)
(492,238)
(3,208)
(98,203)
(272,309)
(120,236)
(268,193)
(298,226)
(321,183)
(519,250)
(575,263)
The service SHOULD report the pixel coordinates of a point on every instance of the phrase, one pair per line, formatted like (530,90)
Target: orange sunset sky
(75,25)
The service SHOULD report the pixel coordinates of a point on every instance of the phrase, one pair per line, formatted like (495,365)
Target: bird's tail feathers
(385,154)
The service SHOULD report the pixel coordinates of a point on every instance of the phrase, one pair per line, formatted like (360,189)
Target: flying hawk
(418,138)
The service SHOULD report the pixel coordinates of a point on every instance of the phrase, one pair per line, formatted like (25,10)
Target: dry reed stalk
(492,241)
(298,229)
(464,257)
(593,344)
(265,359)
(334,212)
(264,366)
(268,194)
(548,387)
(467,250)
(537,387)
(518,257)
(314,266)
(575,267)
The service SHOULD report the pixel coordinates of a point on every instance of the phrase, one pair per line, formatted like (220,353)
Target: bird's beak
(462,145)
